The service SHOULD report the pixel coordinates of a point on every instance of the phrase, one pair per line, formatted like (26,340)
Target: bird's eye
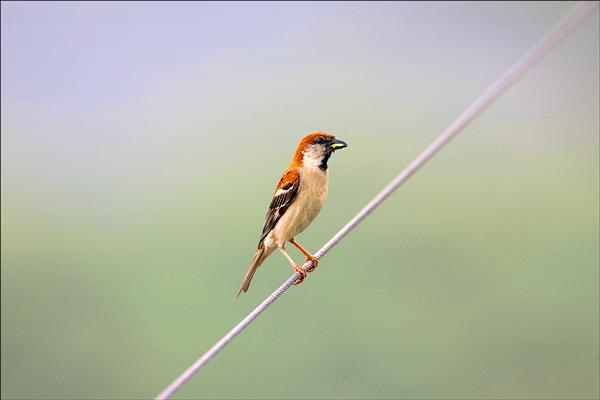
(320,140)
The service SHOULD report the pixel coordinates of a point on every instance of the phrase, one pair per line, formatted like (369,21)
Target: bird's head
(315,149)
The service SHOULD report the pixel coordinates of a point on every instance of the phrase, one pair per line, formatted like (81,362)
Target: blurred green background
(141,143)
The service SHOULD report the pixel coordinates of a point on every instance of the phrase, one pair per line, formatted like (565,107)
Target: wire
(541,48)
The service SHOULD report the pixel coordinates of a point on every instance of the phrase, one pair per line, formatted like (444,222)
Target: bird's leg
(309,257)
(297,268)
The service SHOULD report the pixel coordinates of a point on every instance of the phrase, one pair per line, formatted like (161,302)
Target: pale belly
(303,210)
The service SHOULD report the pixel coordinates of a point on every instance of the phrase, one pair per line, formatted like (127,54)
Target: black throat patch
(323,165)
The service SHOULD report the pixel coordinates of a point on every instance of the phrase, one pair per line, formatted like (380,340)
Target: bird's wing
(284,196)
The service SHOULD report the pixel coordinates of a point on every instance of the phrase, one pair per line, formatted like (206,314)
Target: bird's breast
(311,196)
(314,185)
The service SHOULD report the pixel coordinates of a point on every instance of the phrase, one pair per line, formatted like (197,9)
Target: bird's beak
(337,144)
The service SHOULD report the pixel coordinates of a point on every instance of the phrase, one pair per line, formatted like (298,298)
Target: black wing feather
(278,207)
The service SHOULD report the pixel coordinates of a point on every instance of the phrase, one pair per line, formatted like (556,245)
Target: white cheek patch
(313,156)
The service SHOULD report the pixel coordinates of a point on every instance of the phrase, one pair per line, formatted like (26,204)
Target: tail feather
(259,257)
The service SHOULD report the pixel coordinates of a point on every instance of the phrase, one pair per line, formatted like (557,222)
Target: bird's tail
(259,257)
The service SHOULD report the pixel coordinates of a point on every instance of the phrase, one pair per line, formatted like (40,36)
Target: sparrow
(298,198)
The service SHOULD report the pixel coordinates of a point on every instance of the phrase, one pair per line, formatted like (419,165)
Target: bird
(298,198)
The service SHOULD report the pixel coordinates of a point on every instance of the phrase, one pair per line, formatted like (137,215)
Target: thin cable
(541,48)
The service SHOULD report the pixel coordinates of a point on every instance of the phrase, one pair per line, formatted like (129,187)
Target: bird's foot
(302,273)
(315,262)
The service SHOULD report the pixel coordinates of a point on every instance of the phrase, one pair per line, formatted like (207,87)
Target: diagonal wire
(575,16)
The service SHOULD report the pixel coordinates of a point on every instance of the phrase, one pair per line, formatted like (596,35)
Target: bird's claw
(315,262)
(302,273)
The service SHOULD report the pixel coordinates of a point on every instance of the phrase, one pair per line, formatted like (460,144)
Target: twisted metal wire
(575,16)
